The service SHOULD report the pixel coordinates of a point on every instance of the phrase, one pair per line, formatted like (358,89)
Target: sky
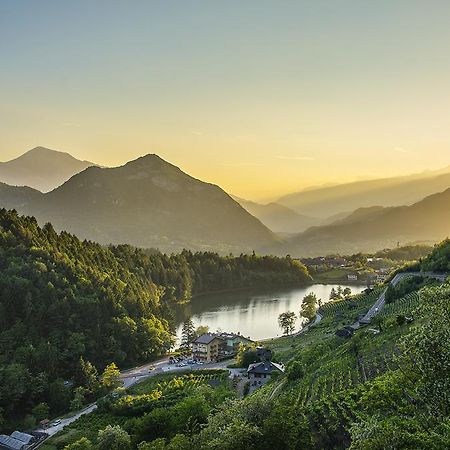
(260,97)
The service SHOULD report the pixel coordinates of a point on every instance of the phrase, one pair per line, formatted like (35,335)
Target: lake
(252,313)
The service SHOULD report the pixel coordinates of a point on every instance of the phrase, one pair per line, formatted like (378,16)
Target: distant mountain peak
(41,168)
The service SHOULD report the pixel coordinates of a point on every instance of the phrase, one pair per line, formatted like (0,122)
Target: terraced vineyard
(402,306)
(358,303)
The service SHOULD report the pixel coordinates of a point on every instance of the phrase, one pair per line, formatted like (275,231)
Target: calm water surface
(252,313)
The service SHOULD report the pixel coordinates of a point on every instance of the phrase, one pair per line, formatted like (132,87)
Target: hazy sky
(261,97)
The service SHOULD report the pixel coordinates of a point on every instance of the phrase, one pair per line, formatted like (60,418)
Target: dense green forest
(387,389)
(68,308)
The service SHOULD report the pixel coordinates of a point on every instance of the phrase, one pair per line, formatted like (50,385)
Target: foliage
(80,444)
(309,305)
(113,438)
(68,308)
(286,321)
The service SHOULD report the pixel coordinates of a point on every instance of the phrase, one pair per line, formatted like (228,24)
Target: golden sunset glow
(260,98)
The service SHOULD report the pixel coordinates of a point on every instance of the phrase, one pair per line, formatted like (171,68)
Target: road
(379,304)
(138,374)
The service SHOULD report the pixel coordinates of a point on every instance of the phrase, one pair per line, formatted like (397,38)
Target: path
(379,304)
(136,375)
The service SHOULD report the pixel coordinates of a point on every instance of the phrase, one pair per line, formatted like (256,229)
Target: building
(24,437)
(208,347)
(233,340)
(9,443)
(261,372)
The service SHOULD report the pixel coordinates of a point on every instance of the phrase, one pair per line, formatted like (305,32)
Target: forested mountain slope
(62,299)
(148,203)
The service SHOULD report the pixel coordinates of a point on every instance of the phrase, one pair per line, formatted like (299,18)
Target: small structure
(346,332)
(207,347)
(261,372)
(44,424)
(10,443)
(24,437)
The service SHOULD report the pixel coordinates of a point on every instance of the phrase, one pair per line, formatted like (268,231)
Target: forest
(387,389)
(69,308)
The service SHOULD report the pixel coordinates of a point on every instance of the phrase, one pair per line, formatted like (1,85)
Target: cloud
(295,158)
(400,150)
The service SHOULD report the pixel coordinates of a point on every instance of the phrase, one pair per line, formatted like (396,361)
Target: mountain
(41,168)
(396,191)
(371,229)
(148,203)
(278,218)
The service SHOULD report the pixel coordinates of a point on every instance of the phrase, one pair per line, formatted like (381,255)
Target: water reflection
(252,313)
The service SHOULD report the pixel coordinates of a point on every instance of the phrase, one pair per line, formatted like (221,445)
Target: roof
(11,443)
(206,338)
(234,336)
(265,367)
(24,437)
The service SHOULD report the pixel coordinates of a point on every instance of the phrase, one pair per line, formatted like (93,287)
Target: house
(233,340)
(9,443)
(208,347)
(261,372)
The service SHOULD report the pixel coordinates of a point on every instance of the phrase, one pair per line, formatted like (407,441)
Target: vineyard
(354,305)
(402,306)
(158,393)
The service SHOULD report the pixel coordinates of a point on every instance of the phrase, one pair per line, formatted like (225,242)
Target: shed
(9,443)
(24,437)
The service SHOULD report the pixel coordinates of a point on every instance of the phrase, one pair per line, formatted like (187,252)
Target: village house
(208,347)
(233,340)
(260,373)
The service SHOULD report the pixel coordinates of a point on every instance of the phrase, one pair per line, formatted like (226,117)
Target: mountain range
(41,168)
(152,203)
(147,203)
(278,218)
(396,191)
(371,229)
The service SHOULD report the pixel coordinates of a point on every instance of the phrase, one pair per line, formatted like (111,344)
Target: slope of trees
(69,308)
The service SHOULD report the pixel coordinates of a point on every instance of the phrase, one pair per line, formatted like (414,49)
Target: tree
(79,398)
(81,444)
(110,376)
(41,411)
(347,292)
(286,321)
(113,438)
(202,329)
(309,305)
(333,294)
(187,333)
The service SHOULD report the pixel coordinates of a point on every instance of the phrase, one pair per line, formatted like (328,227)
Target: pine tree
(187,333)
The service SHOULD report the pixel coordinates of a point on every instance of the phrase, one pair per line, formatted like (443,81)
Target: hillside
(371,229)
(278,218)
(147,203)
(396,191)
(62,299)
(41,168)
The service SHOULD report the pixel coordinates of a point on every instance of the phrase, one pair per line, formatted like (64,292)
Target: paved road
(379,304)
(138,374)
(64,422)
